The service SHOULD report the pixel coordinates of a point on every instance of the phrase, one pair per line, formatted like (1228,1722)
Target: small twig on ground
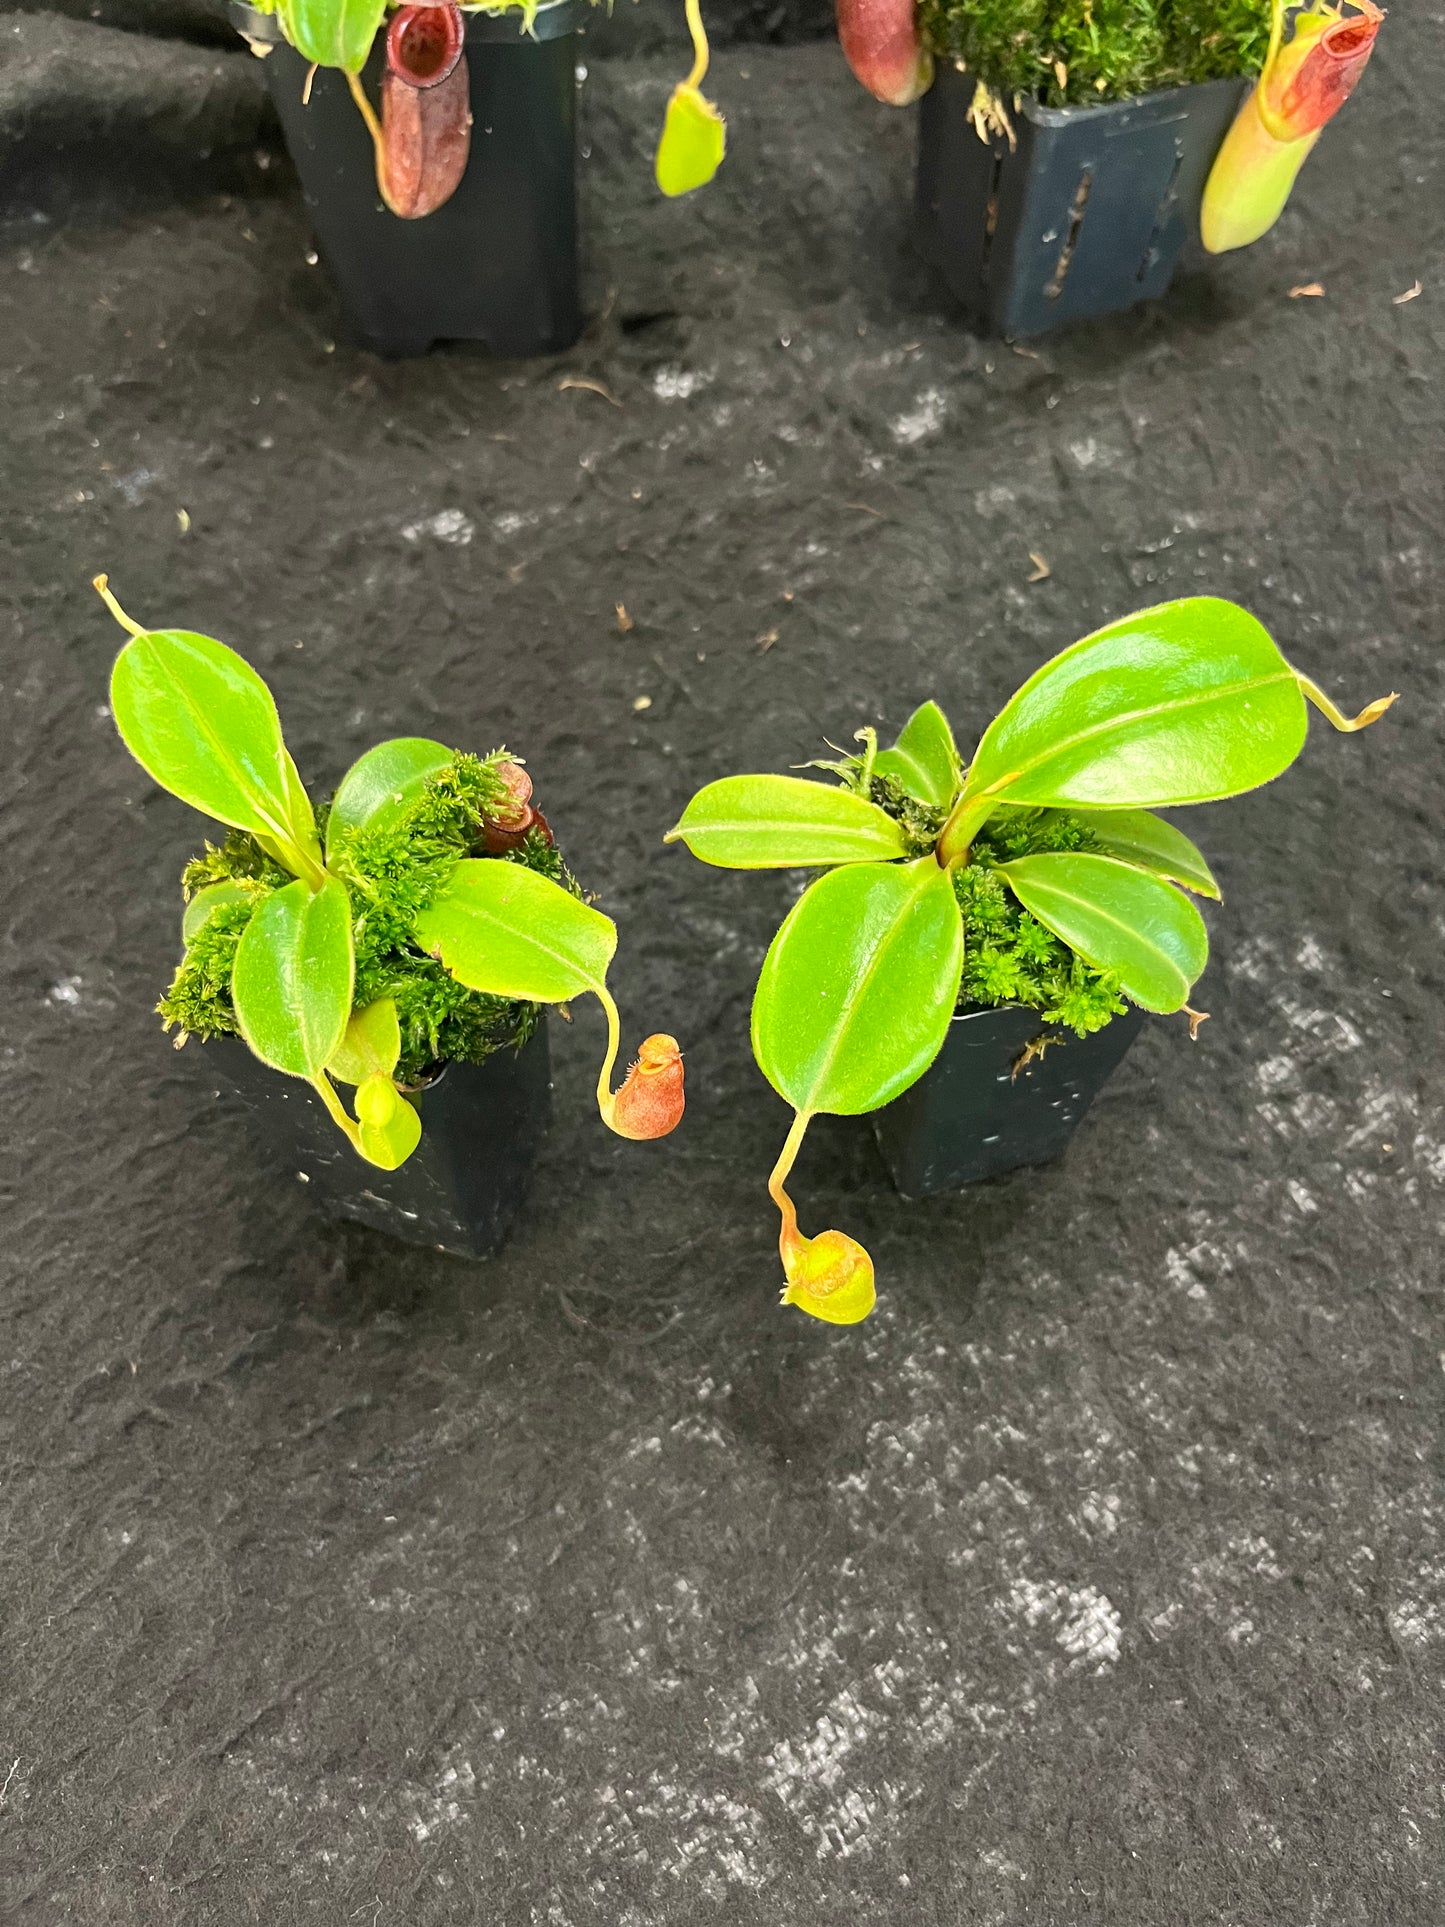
(625,624)
(1308,287)
(1041,569)
(765,642)
(863,509)
(1399,300)
(14,1769)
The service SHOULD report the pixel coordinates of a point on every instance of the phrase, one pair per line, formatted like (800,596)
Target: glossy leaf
(1117,918)
(1178,704)
(924,759)
(388,1129)
(1148,842)
(782,823)
(292,980)
(383,784)
(370,1044)
(333,33)
(198,718)
(215,896)
(694,137)
(512,933)
(858,986)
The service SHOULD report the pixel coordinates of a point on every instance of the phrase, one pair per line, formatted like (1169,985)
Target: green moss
(1008,956)
(1104,49)
(391,875)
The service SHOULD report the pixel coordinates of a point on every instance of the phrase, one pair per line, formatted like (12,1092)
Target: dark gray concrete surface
(1101,1576)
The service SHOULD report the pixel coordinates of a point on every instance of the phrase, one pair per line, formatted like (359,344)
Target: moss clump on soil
(1077,53)
(1008,956)
(391,875)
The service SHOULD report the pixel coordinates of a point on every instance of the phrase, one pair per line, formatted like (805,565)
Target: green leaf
(783,823)
(333,33)
(198,718)
(388,1129)
(370,1045)
(384,783)
(690,150)
(1179,704)
(924,759)
(292,979)
(1117,918)
(512,933)
(210,899)
(858,987)
(1148,842)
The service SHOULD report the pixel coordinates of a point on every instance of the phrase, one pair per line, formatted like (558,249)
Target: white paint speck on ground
(65,991)
(923,419)
(678,384)
(447,525)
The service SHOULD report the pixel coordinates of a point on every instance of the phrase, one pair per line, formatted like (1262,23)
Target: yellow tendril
(700,50)
(101,585)
(1371,713)
(831,1276)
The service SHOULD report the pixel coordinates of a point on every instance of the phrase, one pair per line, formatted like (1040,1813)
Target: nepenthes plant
(421,917)
(421,134)
(1037,872)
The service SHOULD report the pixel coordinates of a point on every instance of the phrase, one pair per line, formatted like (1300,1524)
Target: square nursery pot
(482,1126)
(497,263)
(1086,215)
(978,1110)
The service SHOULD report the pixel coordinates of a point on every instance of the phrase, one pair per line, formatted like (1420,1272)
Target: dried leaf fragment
(1307,288)
(592,387)
(625,624)
(1399,300)
(1041,569)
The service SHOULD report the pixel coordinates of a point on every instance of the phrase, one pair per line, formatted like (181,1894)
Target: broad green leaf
(388,1129)
(924,759)
(1117,918)
(690,150)
(292,979)
(783,823)
(1148,842)
(1179,704)
(384,783)
(858,987)
(210,899)
(503,929)
(370,1044)
(198,718)
(333,33)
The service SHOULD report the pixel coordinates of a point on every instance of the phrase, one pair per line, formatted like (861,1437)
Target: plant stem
(373,127)
(788,1233)
(101,585)
(322,1086)
(970,813)
(1371,713)
(699,43)
(605,1097)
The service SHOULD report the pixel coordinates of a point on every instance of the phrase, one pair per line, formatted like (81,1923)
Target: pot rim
(552,19)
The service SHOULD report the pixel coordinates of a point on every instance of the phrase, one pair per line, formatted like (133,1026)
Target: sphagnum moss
(1078,53)
(391,875)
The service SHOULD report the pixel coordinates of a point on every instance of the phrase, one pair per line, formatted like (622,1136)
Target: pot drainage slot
(1071,239)
(1161,218)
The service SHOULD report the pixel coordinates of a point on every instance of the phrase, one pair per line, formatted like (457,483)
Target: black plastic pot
(980,1109)
(482,1126)
(497,263)
(1086,215)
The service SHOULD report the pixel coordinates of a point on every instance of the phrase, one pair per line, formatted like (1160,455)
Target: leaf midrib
(1062,744)
(831,1057)
(1107,916)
